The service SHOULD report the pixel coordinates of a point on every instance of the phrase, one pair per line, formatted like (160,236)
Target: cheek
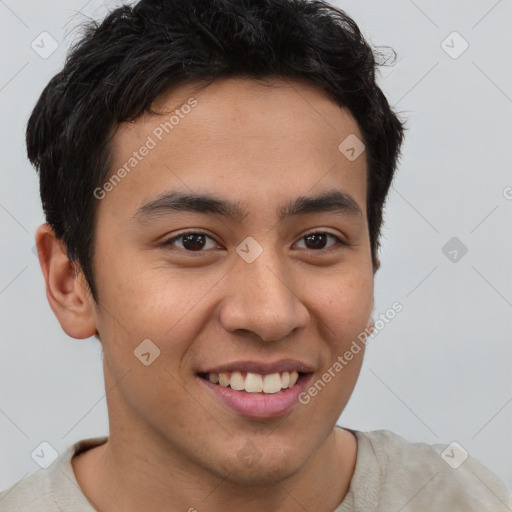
(346,312)
(148,305)
(146,298)
(167,306)
(345,303)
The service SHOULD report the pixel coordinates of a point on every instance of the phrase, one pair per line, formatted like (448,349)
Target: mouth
(256,395)
(250,382)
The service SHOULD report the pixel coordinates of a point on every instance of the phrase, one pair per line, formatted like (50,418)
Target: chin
(263,472)
(264,464)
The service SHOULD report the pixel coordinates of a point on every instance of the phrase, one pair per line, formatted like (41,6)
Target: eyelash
(168,244)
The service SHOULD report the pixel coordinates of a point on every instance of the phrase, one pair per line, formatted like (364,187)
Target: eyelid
(167,243)
(321,231)
(339,239)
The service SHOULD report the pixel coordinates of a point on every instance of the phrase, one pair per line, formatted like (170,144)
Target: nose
(263,300)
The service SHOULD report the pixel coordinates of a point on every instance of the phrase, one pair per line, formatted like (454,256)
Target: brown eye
(194,241)
(318,240)
(190,242)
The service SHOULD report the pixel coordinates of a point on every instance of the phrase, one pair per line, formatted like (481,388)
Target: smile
(254,382)
(260,396)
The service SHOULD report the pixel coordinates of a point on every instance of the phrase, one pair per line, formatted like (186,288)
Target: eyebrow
(336,201)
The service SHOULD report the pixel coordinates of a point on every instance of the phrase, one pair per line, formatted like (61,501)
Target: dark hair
(119,67)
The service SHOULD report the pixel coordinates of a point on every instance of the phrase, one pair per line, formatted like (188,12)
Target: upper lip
(262,367)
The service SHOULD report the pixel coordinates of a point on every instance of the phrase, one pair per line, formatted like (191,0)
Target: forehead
(238,135)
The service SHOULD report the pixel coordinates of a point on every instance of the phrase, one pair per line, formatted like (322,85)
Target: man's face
(256,293)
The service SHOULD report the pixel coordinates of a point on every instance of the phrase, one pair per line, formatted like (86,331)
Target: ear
(67,291)
(371,326)
(376,264)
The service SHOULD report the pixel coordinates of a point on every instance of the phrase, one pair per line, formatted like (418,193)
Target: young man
(213,175)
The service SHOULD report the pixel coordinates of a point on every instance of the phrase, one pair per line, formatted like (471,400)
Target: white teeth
(237,381)
(272,383)
(223,380)
(254,382)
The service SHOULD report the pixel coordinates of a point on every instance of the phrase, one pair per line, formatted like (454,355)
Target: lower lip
(260,405)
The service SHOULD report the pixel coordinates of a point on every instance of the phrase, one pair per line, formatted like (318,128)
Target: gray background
(440,371)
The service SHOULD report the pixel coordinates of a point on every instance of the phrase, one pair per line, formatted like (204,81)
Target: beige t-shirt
(391,475)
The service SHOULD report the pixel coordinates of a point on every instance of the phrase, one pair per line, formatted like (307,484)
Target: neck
(130,475)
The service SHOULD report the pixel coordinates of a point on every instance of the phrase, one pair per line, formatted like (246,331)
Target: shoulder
(32,493)
(443,477)
(53,489)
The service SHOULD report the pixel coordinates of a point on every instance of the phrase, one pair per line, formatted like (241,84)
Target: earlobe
(66,288)
(376,265)
(371,326)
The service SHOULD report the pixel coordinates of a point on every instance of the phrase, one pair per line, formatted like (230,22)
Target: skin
(171,445)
